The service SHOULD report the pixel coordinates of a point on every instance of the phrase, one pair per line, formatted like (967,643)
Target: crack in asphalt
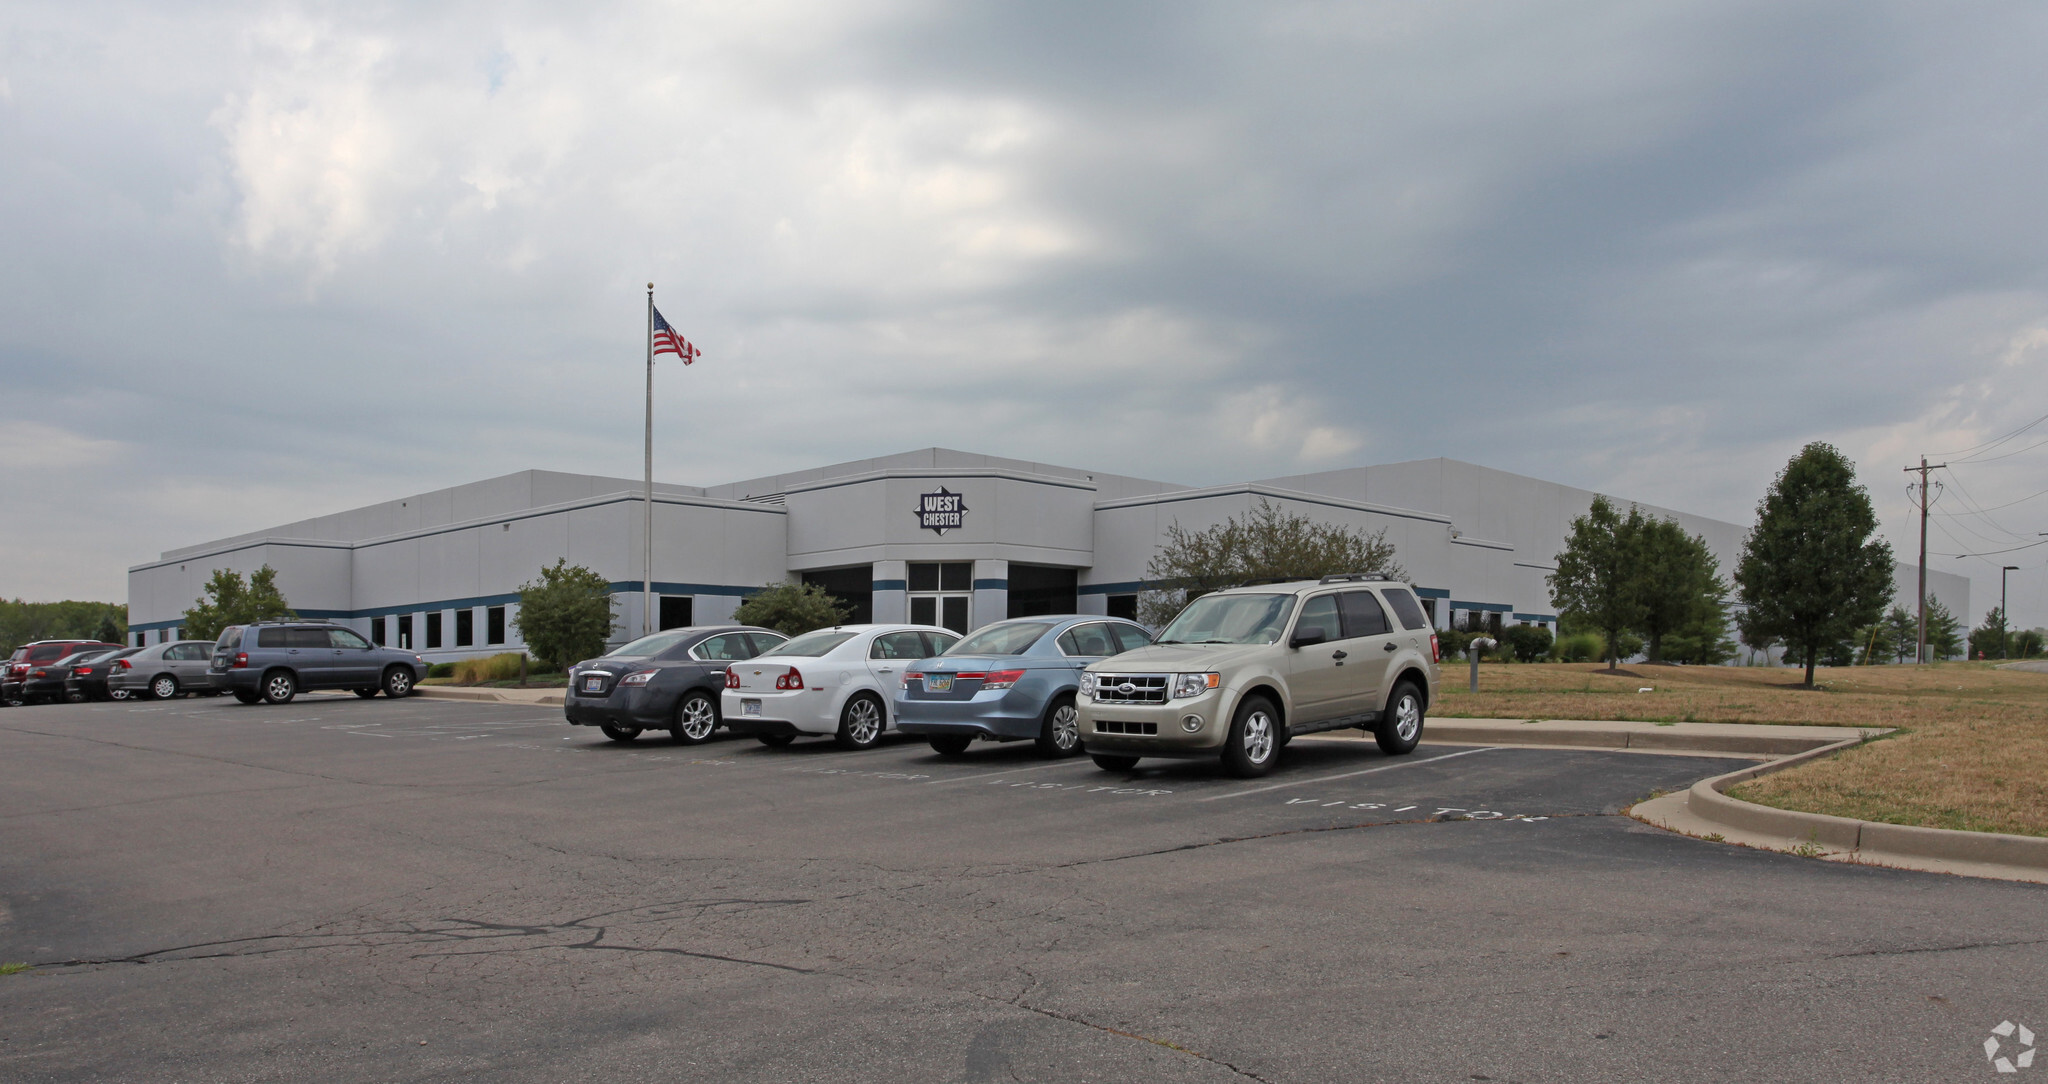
(1071,1018)
(1966,947)
(458,931)
(1303,831)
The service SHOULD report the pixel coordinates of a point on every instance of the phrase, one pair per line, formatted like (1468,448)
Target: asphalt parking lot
(342,889)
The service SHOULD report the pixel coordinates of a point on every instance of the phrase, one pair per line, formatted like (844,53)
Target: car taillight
(1001,679)
(39,672)
(125,664)
(242,660)
(790,681)
(638,677)
(909,674)
(732,680)
(1436,652)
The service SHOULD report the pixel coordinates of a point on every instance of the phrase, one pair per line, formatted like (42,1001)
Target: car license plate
(593,683)
(938,683)
(750,707)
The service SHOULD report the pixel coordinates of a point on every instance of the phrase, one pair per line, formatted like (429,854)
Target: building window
(853,588)
(142,639)
(675,611)
(377,631)
(465,627)
(405,632)
(941,593)
(433,630)
(1038,589)
(494,625)
(1124,606)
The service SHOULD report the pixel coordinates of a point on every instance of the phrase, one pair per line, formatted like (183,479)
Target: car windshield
(1230,619)
(650,646)
(1008,638)
(813,644)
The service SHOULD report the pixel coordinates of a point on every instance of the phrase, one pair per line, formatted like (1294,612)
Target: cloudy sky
(266,260)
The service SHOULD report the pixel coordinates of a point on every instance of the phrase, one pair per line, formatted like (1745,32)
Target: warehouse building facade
(936,536)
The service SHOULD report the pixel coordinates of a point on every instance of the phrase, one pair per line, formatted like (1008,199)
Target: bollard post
(1472,650)
(522,670)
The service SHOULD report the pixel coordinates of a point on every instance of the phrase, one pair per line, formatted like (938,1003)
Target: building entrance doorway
(942,593)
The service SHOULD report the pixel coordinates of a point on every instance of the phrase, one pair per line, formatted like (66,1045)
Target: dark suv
(273,660)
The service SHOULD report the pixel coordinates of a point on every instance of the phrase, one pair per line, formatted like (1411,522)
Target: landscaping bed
(1970,751)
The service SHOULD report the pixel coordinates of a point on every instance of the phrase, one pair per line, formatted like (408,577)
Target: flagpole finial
(650,287)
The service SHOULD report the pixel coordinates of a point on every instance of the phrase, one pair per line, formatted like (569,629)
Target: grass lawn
(556,680)
(1971,751)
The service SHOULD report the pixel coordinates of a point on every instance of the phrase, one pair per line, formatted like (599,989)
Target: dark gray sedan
(668,681)
(1011,681)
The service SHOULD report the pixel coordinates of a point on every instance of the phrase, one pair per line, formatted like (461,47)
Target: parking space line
(987,775)
(1345,775)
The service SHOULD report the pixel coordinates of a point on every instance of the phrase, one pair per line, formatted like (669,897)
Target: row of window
(465,629)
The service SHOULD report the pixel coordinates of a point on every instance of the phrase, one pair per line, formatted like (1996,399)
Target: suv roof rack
(1355,577)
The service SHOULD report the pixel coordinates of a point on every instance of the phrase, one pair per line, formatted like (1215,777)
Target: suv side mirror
(1307,638)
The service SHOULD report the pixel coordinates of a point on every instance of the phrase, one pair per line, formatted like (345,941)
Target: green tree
(22,622)
(230,600)
(1703,639)
(791,609)
(1595,584)
(1875,645)
(1990,640)
(1903,629)
(1266,545)
(1813,570)
(565,616)
(2027,643)
(1944,632)
(1675,580)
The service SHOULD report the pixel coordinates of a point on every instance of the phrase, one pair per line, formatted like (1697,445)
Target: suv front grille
(1118,726)
(1130,688)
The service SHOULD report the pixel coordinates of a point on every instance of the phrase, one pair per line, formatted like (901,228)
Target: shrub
(1579,647)
(1527,643)
(500,667)
(440,669)
(565,616)
(791,609)
(1452,642)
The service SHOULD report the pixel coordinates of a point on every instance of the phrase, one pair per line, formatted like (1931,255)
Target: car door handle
(1389,645)
(1339,655)
(884,670)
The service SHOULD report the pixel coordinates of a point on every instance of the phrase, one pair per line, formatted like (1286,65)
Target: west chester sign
(941,511)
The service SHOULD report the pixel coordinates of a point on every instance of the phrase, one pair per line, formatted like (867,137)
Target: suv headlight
(1186,685)
(1087,684)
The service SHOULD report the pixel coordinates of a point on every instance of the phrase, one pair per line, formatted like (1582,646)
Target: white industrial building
(932,535)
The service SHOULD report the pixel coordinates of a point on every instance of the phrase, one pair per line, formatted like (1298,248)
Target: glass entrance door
(941,593)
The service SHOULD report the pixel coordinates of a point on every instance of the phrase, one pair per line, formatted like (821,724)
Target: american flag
(666,341)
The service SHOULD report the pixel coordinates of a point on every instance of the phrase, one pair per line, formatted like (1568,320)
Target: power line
(1990,444)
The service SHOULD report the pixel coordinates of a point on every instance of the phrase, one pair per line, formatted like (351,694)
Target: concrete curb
(1694,739)
(548,697)
(1705,811)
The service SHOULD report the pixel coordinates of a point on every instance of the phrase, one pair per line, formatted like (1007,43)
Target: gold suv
(1241,671)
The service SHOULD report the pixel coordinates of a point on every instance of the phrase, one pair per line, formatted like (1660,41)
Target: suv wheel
(696,718)
(619,733)
(774,741)
(1254,742)
(248,696)
(1113,762)
(163,687)
(398,683)
(367,693)
(951,745)
(1400,725)
(860,723)
(279,687)
(1060,734)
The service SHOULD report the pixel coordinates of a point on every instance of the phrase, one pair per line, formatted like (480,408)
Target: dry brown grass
(1972,751)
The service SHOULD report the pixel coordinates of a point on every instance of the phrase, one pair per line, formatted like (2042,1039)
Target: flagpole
(647,541)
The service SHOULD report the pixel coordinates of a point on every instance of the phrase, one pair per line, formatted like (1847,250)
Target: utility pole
(2004,617)
(1920,655)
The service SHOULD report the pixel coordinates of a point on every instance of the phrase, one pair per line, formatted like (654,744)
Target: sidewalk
(492,696)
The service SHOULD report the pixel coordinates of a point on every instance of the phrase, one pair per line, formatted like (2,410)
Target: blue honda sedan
(1011,681)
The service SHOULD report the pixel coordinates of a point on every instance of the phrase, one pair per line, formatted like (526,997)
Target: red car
(31,662)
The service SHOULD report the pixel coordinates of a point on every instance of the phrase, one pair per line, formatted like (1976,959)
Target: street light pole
(2004,616)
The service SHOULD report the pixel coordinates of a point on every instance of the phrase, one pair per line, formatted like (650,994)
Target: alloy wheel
(1066,728)
(1407,717)
(863,721)
(1258,737)
(697,719)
